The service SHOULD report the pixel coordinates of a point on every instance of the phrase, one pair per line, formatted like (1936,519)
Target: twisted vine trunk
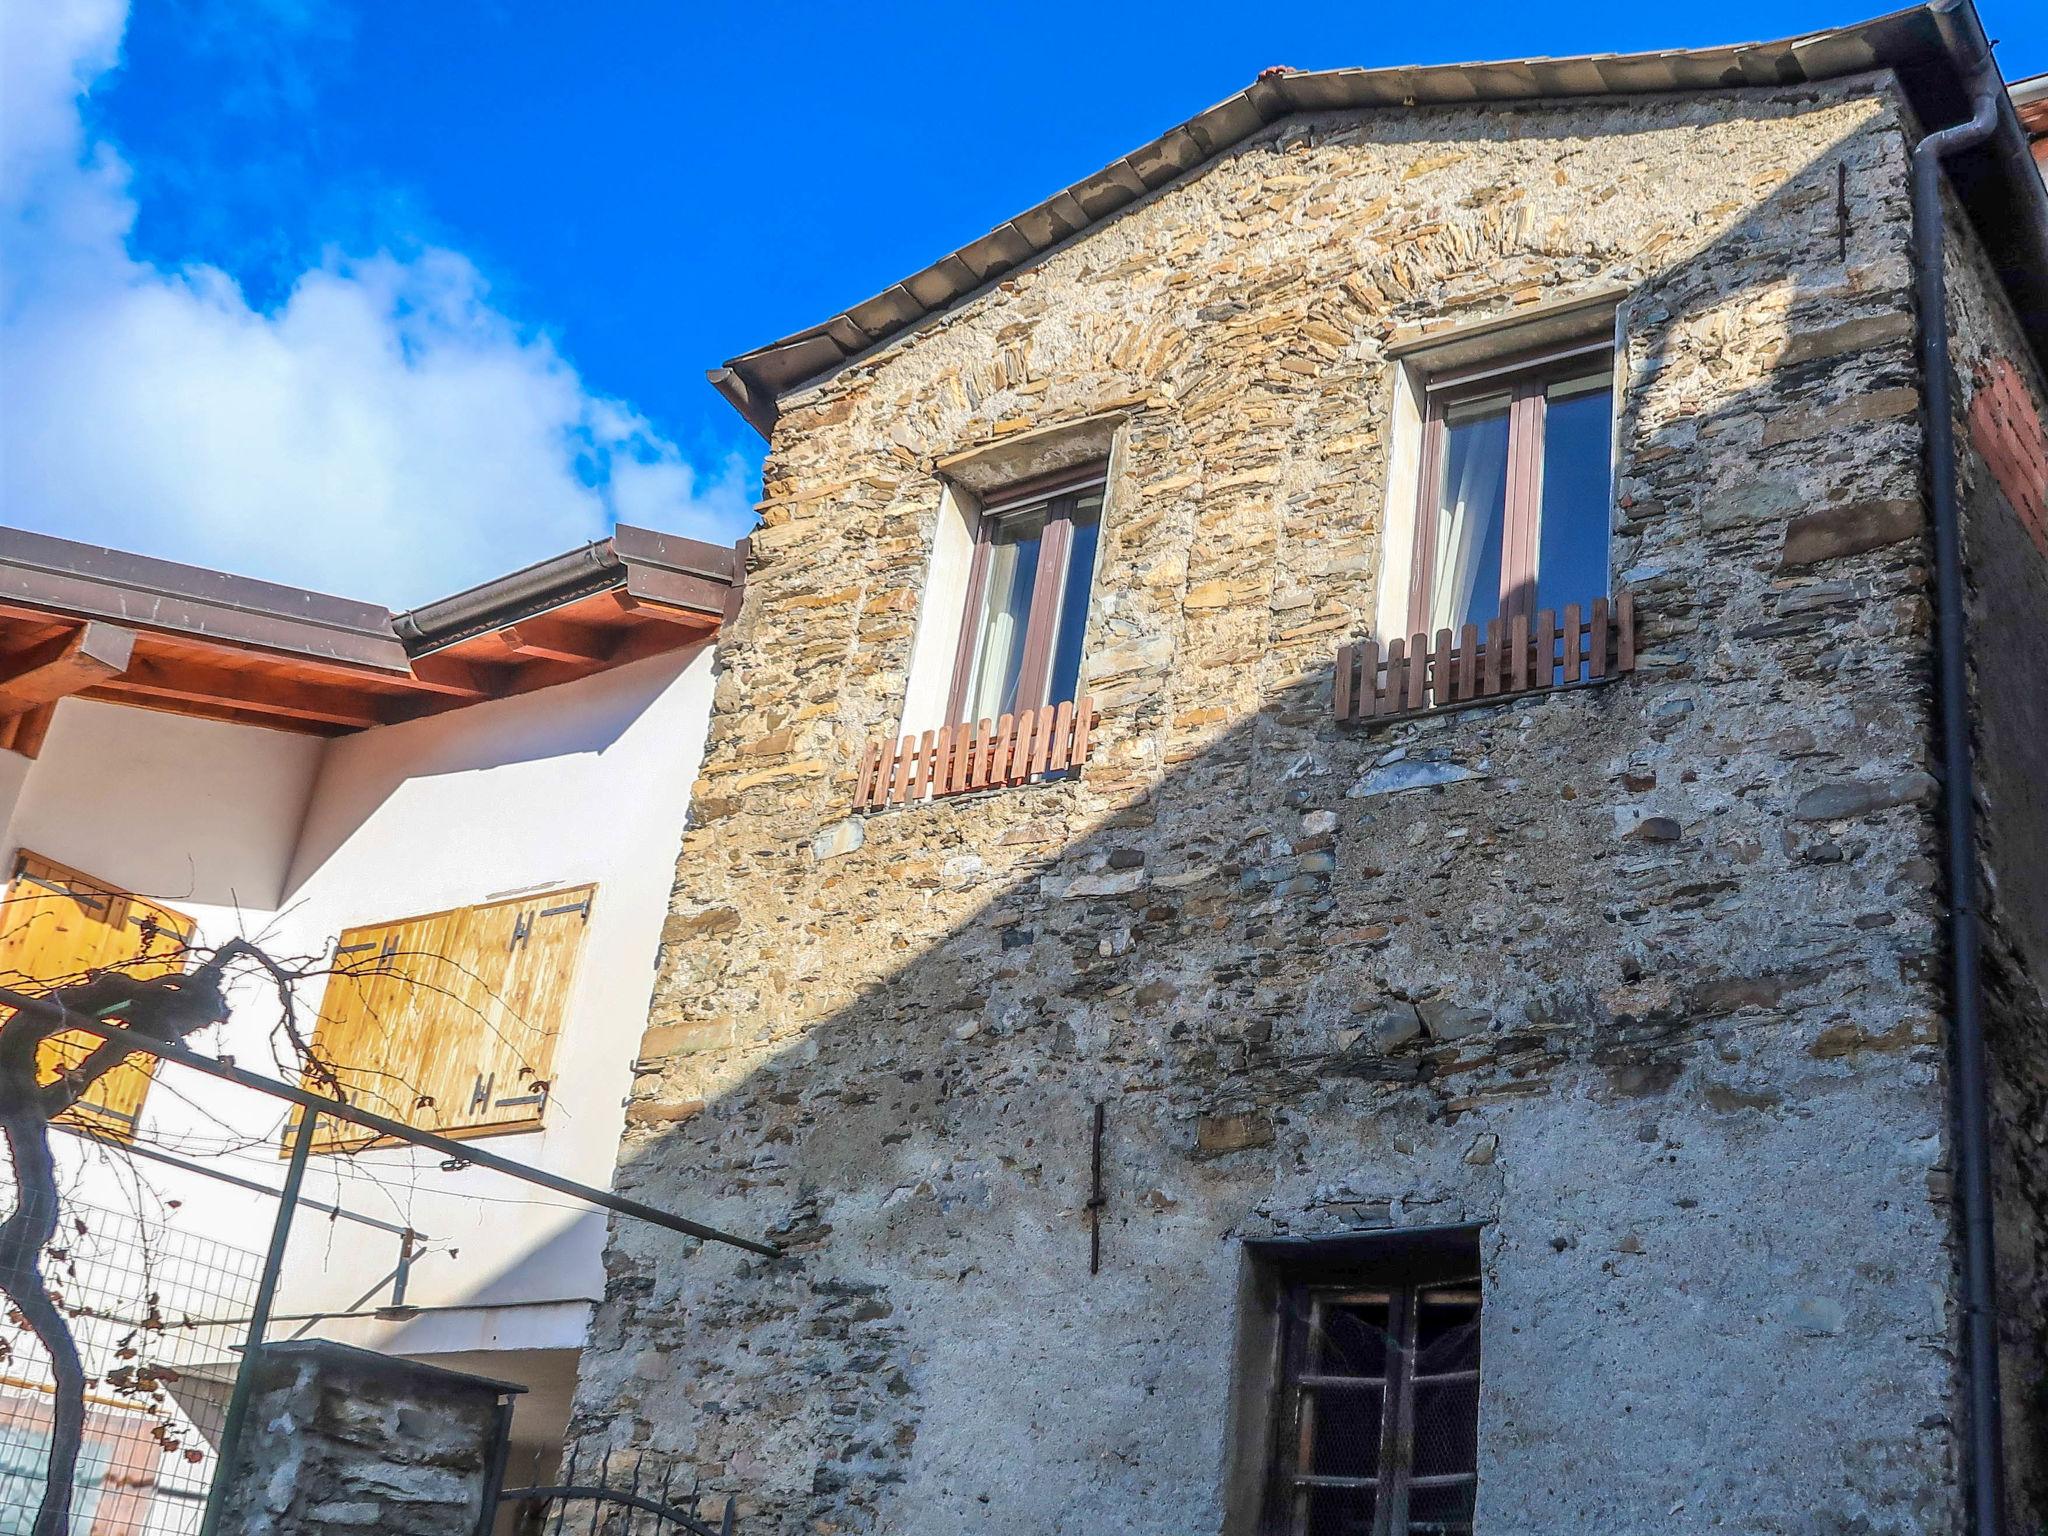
(23,1237)
(164,1008)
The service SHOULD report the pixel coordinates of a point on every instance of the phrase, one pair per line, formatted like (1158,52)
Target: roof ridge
(1929,35)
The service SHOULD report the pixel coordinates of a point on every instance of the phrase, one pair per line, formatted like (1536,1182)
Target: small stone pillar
(347,1442)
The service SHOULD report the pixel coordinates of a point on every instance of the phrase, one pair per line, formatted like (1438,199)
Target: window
(1515,490)
(1375,1412)
(994,694)
(56,926)
(449,1022)
(1027,598)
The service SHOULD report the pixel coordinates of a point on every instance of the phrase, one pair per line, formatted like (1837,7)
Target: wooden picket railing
(1012,750)
(1408,677)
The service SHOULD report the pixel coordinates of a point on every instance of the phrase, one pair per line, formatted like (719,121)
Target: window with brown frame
(1375,1412)
(1028,589)
(1515,490)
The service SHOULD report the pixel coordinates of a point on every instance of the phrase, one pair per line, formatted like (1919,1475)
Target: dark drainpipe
(1971,1099)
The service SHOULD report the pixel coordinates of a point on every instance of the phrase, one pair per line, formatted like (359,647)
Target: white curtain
(1005,611)
(996,672)
(1469,516)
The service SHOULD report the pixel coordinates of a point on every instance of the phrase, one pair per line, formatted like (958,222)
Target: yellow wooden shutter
(516,1071)
(361,989)
(448,1022)
(60,926)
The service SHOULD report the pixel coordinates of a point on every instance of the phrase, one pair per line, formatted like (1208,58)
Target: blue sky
(380,262)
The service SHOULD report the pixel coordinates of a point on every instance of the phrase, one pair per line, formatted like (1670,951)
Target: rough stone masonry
(345,1442)
(1644,979)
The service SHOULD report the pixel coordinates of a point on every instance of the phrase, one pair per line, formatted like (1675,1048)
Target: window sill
(996,754)
(1375,685)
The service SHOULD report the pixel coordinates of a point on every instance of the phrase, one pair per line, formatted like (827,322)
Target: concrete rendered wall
(202,816)
(1641,978)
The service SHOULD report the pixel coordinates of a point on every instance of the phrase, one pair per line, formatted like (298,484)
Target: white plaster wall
(202,816)
(14,771)
(1397,520)
(585,782)
(197,813)
(291,839)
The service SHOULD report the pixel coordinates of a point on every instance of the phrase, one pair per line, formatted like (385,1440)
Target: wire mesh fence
(162,1311)
(156,1312)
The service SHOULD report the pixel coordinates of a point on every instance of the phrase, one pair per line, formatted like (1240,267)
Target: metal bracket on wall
(1842,209)
(580,908)
(1096,1200)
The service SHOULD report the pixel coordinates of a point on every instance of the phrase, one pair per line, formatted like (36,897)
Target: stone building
(1531,1111)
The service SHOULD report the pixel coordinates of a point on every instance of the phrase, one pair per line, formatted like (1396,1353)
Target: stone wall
(344,1442)
(2006,550)
(1643,978)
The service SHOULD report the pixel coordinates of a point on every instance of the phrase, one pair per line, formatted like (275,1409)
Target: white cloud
(384,432)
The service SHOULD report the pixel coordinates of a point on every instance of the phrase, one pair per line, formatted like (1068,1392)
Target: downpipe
(1971,1099)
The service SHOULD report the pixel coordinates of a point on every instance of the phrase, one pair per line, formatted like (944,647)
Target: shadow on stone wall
(1644,977)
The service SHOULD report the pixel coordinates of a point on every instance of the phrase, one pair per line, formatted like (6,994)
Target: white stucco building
(191,749)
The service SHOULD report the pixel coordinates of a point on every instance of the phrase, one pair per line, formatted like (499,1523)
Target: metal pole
(138,1149)
(259,1323)
(397,1130)
(494,1471)
(404,1271)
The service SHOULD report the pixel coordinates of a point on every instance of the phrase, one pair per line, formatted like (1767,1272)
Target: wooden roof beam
(543,671)
(24,733)
(679,592)
(70,663)
(668,613)
(547,638)
(288,701)
(458,676)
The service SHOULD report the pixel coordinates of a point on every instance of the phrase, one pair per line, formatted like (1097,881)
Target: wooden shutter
(58,926)
(362,991)
(449,1022)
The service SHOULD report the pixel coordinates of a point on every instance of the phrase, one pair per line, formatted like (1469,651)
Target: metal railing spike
(562,1505)
(639,1506)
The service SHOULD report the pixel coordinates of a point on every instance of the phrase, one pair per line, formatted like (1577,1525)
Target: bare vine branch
(162,1008)
(166,1008)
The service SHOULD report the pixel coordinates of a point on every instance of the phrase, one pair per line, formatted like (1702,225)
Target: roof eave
(1921,45)
(752,402)
(640,562)
(43,573)
(47,574)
